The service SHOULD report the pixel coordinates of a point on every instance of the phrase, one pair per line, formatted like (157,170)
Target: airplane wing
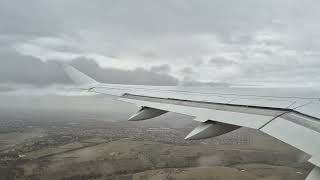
(290,115)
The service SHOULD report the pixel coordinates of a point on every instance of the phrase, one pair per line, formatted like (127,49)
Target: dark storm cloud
(22,69)
(17,68)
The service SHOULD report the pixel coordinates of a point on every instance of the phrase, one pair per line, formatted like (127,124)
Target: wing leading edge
(292,119)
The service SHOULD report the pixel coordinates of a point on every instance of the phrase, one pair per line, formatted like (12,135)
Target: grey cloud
(187,74)
(186,71)
(28,70)
(110,75)
(221,61)
(28,18)
(173,32)
(6,88)
(188,80)
(22,69)
(143,18)
(164,68)
(198,62)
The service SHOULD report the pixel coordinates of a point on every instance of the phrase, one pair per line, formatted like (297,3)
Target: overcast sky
(161,42)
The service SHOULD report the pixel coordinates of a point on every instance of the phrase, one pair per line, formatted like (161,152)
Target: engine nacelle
(146,113)
(210,129)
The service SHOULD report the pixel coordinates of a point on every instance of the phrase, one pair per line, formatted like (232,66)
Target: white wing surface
(290,115)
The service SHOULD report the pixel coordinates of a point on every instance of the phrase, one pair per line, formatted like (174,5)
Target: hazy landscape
(56,137)
(49,132)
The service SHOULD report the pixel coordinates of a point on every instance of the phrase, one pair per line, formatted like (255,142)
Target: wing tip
(77,76)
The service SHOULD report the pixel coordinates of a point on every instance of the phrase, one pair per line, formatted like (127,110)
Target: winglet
(78,77)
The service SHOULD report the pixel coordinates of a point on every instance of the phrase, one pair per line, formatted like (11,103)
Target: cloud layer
(22,69)
(213,41)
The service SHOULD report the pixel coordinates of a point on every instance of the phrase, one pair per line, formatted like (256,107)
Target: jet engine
(210,129)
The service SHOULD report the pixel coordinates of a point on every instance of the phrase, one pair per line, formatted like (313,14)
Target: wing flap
(295,134)
(312,109)
(254,121)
